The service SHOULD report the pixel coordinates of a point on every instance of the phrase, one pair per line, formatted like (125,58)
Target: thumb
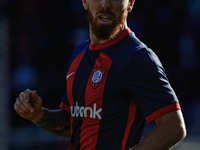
(35,97)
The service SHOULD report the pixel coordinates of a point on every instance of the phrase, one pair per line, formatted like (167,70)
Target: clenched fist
(29,105)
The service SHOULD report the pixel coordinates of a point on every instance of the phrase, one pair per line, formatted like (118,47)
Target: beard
(107,32)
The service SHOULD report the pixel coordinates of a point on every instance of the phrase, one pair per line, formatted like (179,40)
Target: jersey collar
(110,42)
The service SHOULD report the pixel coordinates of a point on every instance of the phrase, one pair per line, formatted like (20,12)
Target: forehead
(109,0)
(117,2)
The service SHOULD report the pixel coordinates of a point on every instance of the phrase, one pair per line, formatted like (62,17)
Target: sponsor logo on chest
(81,111)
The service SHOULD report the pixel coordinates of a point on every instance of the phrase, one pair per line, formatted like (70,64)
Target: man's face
(107,17)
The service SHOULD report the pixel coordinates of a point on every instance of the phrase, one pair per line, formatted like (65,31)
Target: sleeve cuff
(65,107)
(162,111)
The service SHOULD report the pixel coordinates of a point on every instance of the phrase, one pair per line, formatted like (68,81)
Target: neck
(95,40)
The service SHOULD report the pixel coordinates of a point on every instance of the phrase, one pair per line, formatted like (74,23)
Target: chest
(93,78)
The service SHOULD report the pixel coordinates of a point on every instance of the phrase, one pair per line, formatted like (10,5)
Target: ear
(130,5)
(85,4)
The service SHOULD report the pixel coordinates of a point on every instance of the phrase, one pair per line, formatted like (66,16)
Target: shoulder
(146,57)
(128,47)
(133,43)
(146,65)
(138,51)
(80,48)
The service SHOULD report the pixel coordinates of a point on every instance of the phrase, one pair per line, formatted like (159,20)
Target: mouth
(105,19)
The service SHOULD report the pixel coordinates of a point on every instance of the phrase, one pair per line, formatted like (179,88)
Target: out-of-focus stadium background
(36,41)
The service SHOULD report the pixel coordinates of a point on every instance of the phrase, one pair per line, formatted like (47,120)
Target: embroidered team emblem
(97,77)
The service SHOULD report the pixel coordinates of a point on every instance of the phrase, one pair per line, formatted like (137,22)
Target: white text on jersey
(81,111)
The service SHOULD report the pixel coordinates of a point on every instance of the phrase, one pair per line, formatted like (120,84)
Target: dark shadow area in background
(43,34)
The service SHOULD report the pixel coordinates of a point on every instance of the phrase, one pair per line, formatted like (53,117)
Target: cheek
(118,9)
(118,14)
(93,11)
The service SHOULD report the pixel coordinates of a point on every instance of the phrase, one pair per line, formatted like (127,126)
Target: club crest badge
(97,77)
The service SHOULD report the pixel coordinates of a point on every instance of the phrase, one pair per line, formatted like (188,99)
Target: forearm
(55,121)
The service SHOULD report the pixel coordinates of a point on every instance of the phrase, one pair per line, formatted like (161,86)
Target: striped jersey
(113,89)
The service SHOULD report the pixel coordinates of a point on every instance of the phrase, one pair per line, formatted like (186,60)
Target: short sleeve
(149,87)
(65,103)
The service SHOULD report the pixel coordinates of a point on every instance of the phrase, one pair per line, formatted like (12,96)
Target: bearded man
(115,84)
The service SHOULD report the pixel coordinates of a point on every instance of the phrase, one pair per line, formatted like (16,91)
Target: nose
(105,4)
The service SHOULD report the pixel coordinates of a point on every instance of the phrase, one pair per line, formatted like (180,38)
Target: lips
(105,18)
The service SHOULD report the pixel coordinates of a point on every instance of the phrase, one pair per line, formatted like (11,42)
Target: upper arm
(173,121)
(169,131)
(175,117)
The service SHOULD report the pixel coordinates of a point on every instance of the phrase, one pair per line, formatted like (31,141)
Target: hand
(29,105)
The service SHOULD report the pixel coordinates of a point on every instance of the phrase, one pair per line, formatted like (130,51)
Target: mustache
(108,12)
